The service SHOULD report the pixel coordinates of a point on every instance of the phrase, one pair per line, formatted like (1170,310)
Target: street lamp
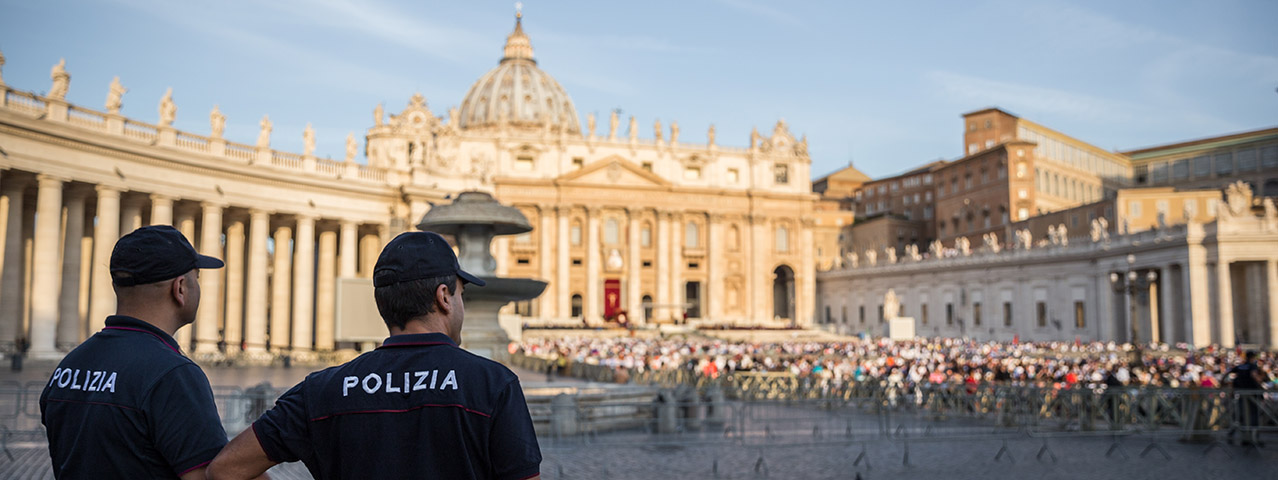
(1131,282)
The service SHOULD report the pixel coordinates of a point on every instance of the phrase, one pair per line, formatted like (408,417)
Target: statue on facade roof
(264,136)
(590,124)
(454,116)
(1238,199)
(963,245)
(991,242)
(912,251)
(115,95)
(379,115)
(1024,239)
(674,132)
(217,122)
(872,257)
(351,147)
(168,109)
(656,130)
(612,126)
(853,259)
(936,249)
(754,138)
(61,80)
(1,68)
(634,129)
(710,135)
(308,140)
(1051,235)
(890,254)
(1062,235)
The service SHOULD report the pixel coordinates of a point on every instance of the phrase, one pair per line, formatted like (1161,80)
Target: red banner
(612,298)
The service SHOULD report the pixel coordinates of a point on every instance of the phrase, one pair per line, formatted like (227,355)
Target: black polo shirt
(417,407)
(127,404)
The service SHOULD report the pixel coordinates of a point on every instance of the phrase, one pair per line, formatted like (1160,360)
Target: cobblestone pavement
(779,441)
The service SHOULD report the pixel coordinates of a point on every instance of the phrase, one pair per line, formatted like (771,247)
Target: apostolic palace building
(1030,234)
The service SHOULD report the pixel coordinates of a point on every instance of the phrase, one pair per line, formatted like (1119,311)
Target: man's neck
(417,326)
(169,327)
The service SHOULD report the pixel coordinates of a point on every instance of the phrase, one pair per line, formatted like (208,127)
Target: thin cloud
(381,21)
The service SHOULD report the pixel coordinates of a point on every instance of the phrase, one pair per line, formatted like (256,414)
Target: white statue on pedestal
(308,140)
(115,94)
(854,259)
(61,80)
(872,257)
(891,305)
(890,253)
(217,122)
(351,147)
(168,109)
(264,136)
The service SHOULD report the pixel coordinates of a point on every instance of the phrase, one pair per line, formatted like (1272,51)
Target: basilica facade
(652,229)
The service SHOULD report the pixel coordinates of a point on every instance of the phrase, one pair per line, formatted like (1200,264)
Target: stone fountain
(473,219)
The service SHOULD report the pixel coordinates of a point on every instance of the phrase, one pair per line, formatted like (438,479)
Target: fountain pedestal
(473,219)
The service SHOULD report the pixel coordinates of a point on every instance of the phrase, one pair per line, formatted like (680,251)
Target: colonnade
(275,295)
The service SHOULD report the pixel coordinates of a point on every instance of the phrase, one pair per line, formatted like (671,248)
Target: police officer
(418,406)
(126,403)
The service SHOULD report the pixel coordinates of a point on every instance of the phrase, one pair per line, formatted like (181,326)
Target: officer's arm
(243,458)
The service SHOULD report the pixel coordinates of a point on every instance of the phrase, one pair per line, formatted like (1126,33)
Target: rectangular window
(1202,166)
(692,173)
(844,319)
(1007,314)
(1041,307)
(646,166)
(976,314)
(1133,208)
(576,262)
(782,173)
(523,261)
(1080,315)
(734,176)
(647,264)
(1211,207)
(1191,208)
(861,313)
(1224,164)
(1180,169)
(923,313)
(1162,207)
(645,237)
(578,162)
(949,314)
(524,164)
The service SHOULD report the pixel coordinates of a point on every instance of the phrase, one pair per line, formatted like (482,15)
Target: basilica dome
(518,93)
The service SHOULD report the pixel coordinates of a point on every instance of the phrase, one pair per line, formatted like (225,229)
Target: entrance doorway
(783,293)
(692,299)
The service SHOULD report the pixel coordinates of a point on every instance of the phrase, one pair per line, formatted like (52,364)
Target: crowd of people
(917,362)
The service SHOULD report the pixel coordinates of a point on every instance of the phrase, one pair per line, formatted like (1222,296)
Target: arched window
(612,232)
(576,233)
(645,235)
(692,235)
(647,308)
(734,238)
(783,240)
(576,305)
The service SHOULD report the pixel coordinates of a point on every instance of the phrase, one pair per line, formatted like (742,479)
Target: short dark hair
(400,302)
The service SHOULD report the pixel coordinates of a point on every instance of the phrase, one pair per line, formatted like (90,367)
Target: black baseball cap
(155,253)
(417,255)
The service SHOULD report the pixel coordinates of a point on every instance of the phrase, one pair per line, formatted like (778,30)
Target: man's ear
(179,290)
(444,299)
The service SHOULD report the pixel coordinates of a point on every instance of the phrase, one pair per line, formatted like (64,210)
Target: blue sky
(881,84)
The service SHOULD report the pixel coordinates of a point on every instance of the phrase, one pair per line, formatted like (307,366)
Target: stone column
(546,307)
(1155,295)
(184,221)
(714,267)
(634,267)
(304,285)
(69,300)
(676,265)
(663,266)
(130,215)
(326,290)
(46,268)
(233,322)
(594,265)
(206,325)
(759,277)
(255,289)
(1197,298)
(105,234)
(562,261)
(1166,306)
(370,248)
(348,244)
(805,283)
(1271,299)
(1225,301)
(281,287)
(161,210)
(12,289)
